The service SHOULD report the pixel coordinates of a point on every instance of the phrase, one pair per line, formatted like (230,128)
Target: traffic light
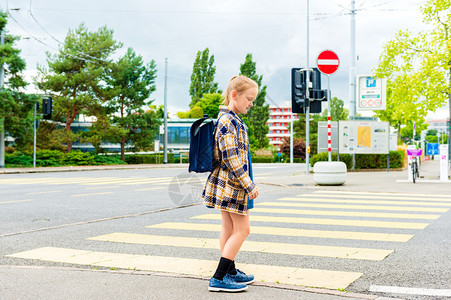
(47,108)
(298,90)
(316,93)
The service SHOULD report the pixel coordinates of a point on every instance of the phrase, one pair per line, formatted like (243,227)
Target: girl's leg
(226,229)
(241,230)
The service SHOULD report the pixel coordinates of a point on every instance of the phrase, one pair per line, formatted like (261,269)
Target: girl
(229,187)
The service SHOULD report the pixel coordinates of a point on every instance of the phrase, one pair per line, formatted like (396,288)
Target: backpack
(201,145)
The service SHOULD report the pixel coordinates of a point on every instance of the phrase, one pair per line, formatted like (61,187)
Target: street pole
(307,124)
(165,153)
(352,71)
(291,138)
(352,68)
(307,112)
(329,131)
(2,120)
(34,135)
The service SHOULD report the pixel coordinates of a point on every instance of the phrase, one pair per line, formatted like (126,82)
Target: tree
(210,104)
(418,68)
(202,78)
(337,110)
(75,75)
(298,148)
(258,115)
(130,84)
(16,108)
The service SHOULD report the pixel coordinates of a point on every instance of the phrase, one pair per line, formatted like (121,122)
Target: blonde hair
(238,83)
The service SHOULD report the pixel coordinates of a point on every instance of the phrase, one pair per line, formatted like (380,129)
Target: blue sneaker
(226,285)
(241,277)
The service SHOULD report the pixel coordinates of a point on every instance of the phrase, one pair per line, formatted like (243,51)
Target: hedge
(54,158)
(134,159)
(364,161)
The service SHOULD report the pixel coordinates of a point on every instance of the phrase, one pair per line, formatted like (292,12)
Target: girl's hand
(254,194)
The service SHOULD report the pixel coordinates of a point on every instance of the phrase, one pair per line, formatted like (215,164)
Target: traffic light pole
(34,135)
(2,120)
(307,125)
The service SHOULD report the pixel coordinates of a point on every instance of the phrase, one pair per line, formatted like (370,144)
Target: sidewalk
(75,283)
(379,181)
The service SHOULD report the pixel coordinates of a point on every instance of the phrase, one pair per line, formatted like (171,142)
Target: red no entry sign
(327,62)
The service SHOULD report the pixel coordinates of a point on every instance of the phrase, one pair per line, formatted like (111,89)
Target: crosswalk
(363,218)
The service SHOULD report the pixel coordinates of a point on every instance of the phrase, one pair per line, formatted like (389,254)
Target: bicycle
(415,171)
(415,153)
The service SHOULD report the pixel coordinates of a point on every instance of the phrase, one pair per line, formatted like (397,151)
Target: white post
(165,148)
(444,162)
(329,131)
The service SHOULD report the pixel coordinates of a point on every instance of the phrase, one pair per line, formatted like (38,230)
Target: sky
(274,32)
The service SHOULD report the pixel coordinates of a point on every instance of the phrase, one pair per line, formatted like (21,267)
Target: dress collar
(225,109)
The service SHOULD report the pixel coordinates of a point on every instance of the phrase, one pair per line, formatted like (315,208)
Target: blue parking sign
(432,149)
(370,82)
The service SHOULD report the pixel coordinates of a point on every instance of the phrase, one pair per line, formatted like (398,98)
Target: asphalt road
(71,210)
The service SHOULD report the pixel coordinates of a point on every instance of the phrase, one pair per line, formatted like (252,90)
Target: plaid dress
(229,184)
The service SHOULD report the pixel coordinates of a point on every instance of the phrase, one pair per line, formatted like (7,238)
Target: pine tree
(16,108)
(258,115)
(202,78)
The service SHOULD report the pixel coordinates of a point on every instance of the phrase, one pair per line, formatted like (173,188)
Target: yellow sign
(308,149)
(364,136)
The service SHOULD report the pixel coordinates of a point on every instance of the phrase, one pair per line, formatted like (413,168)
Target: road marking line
(330,234)
(250,246)
(410,291)
(46,192)
(16,201)
(363,207)
(104,187)
(346,213)
(364,201)
(395,198)
(154,188)
(123,181)
(93,194)
(390,194)
(334,222)
(197,267)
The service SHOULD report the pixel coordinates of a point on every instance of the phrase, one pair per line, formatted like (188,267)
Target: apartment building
(279,124)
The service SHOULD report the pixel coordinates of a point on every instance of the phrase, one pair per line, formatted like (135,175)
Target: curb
(89,168)
(321,291)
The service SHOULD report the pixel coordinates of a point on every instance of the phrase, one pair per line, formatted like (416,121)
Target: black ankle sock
(223,267)
(232,270)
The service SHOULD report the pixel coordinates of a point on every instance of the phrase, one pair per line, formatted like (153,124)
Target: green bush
(324,156)
(108,160)
(18,159)
(364,161)
(47,158)
(135,159)
(78,158)
(262,159)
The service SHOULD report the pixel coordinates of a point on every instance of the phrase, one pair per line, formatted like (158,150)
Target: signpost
(328,63)
(371,93)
